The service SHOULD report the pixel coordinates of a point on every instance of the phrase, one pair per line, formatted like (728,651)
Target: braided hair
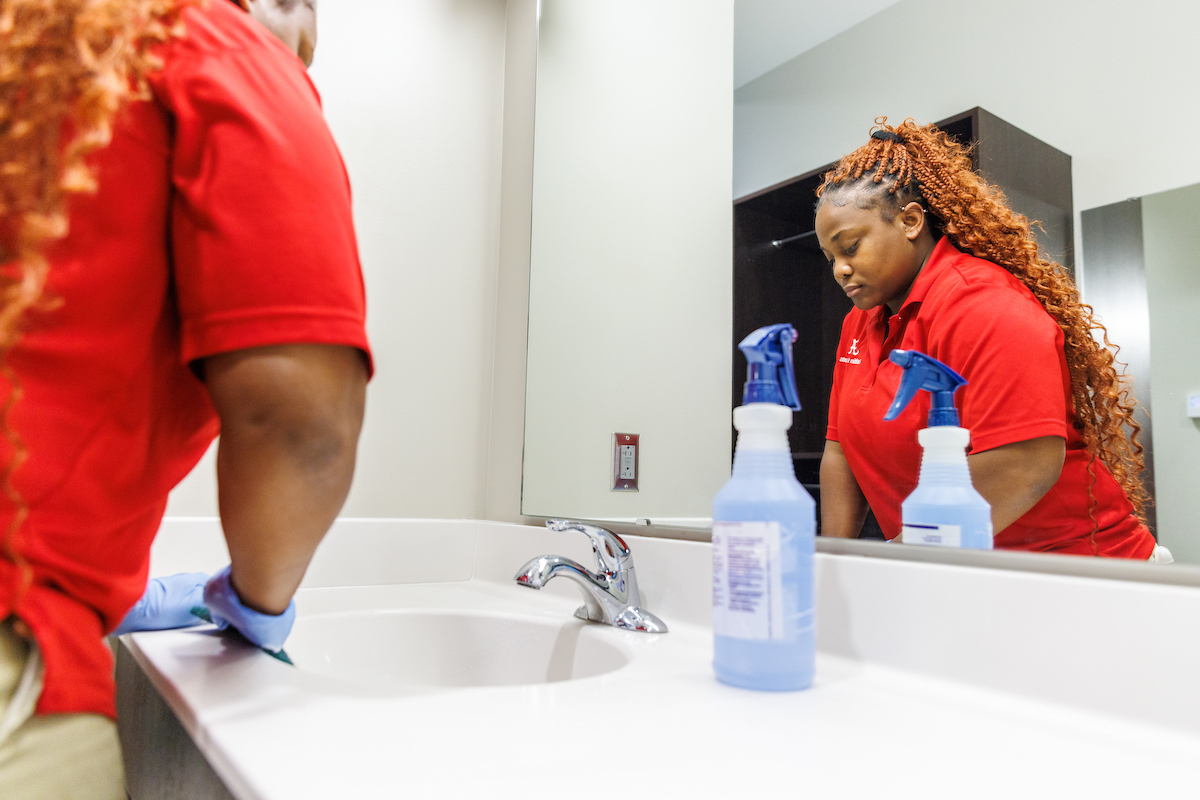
(912,162)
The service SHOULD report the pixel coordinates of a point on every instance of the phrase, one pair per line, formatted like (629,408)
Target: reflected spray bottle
(944,510)
(764,529)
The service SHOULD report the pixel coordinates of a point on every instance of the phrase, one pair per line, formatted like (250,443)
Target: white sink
(428,648)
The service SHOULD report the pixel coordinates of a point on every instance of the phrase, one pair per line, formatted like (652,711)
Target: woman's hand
(843,505)
(225,609)
(1014,477)
(167,603)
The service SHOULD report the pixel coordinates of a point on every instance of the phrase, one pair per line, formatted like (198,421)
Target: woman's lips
(851,289)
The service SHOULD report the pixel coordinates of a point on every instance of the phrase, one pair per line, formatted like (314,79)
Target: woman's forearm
(843,506)
(290,419)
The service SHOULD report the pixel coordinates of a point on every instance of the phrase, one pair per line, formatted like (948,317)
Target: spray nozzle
(770,376)
(924,372)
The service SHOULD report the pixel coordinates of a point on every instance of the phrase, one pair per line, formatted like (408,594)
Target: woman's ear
(912,217)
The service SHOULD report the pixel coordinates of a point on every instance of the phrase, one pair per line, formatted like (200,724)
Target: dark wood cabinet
(792,282)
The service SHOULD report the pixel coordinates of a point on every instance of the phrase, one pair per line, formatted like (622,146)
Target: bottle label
(936,535)
(747,580)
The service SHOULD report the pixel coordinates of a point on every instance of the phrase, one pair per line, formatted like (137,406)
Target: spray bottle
(944,509)
(764,527)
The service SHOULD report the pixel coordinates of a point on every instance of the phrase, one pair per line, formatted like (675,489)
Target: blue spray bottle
(944,509)
(764,528)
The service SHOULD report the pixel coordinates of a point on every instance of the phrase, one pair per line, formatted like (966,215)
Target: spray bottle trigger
(770,370)
(925,372)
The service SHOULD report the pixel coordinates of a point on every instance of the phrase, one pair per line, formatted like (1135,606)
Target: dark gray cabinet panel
(1115,288)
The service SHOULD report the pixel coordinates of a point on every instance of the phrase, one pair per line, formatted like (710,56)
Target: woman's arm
(290,419)
(1012,478)
(843,506)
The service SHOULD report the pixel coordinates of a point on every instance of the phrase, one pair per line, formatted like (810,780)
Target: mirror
(630,300)
(631,267)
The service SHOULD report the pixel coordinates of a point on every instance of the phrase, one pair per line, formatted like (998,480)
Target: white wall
(1109,82)
(1171,239)
(768,33)
(507,432)
(414,93)
(631,274)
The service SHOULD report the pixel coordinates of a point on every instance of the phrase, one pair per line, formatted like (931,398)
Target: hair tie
(888,135)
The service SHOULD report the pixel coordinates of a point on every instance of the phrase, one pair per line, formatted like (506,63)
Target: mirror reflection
(951,294)
(1067,138)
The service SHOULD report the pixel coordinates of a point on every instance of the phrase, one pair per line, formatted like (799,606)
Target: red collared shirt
(222,222)
(981,321)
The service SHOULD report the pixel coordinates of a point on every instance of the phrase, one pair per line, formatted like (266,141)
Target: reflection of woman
(178,256)
(935,260)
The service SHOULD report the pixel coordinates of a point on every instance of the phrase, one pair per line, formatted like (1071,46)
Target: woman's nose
(841,269)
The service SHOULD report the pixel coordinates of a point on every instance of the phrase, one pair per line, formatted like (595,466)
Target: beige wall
(415,94)
(1171,239)
(631,271)
(506,435)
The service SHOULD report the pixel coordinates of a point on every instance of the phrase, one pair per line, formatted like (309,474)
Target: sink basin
(423,648)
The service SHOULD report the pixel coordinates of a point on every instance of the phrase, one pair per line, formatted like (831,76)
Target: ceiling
(768,33)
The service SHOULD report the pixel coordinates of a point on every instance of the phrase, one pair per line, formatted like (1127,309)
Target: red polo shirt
(981,321)
(222,222)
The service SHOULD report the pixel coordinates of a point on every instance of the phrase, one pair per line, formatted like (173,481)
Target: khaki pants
(52,757)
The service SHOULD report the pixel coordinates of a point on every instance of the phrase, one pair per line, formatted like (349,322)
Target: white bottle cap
(762,426)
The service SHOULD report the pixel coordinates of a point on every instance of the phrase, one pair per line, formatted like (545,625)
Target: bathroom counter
(922,715)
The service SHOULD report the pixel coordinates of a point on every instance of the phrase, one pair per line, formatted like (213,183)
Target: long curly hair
(66,67)
(919,162)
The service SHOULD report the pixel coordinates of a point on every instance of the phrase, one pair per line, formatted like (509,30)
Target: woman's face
(875,261)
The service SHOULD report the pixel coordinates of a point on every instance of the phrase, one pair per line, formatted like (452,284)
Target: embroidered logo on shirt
(852,351)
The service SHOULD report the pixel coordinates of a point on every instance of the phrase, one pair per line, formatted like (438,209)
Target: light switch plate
(1193,405)
(626,470)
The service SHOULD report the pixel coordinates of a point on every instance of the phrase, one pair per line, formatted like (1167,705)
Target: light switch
(1193,405)
(625,462)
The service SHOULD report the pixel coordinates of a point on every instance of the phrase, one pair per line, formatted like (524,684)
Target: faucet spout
(539,570)
(597,590)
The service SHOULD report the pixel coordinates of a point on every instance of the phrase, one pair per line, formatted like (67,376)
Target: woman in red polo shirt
(935,260)
(177,258)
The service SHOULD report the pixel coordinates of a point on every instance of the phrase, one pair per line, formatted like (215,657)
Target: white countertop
(660,727)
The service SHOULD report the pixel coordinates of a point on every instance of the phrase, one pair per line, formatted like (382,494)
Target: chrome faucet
(610,595)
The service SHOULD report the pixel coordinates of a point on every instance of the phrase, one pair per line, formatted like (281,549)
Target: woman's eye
(851,249)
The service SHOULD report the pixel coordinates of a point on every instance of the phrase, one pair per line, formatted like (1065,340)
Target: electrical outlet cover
(626,470)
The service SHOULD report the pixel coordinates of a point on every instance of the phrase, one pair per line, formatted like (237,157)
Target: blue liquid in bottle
(945,509)
(945,499)
(763,621)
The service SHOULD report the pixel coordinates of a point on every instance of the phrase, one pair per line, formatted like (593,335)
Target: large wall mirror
(654,116)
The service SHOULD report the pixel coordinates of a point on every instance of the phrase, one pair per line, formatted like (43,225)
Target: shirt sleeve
(831,431)
(1011,353)
(262,233)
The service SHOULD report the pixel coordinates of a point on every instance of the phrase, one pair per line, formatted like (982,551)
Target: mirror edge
(627,529)
(1012,560)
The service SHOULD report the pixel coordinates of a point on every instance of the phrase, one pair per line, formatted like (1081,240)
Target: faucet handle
(612,554)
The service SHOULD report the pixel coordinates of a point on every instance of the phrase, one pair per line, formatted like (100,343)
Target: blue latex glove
(167,603)
(267,631)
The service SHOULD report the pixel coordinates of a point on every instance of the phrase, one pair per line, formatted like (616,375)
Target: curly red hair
(920,162)
(66,67)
